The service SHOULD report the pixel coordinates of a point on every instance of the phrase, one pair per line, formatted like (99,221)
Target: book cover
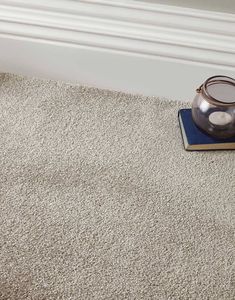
(195,139)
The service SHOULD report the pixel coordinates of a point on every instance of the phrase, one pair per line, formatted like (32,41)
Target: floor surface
(99,200)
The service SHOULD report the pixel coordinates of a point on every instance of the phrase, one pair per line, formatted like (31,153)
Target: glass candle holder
(213,109)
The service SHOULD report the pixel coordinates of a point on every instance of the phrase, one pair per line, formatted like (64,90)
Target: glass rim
(203,89)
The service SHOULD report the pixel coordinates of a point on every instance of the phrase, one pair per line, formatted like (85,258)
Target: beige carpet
(98,199)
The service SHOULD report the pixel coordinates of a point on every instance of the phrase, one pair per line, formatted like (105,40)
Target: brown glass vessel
(213,108)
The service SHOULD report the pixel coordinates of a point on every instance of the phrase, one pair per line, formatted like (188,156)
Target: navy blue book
(195,139)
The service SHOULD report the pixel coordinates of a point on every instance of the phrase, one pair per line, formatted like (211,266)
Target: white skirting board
(131,46)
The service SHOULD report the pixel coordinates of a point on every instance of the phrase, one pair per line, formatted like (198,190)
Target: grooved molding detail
(129,28)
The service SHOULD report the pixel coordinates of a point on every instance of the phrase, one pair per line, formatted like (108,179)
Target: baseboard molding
(132,46)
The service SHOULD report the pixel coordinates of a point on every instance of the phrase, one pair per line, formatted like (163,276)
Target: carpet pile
(99,200)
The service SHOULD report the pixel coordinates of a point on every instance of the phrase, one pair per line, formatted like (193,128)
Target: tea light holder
(213,109)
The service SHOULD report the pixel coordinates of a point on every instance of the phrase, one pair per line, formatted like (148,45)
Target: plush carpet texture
(99,200)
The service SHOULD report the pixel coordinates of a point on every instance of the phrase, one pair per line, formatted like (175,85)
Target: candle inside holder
(220,118)
(213,108)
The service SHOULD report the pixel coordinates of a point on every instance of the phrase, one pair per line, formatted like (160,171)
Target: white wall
(216,5)
(126,45)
